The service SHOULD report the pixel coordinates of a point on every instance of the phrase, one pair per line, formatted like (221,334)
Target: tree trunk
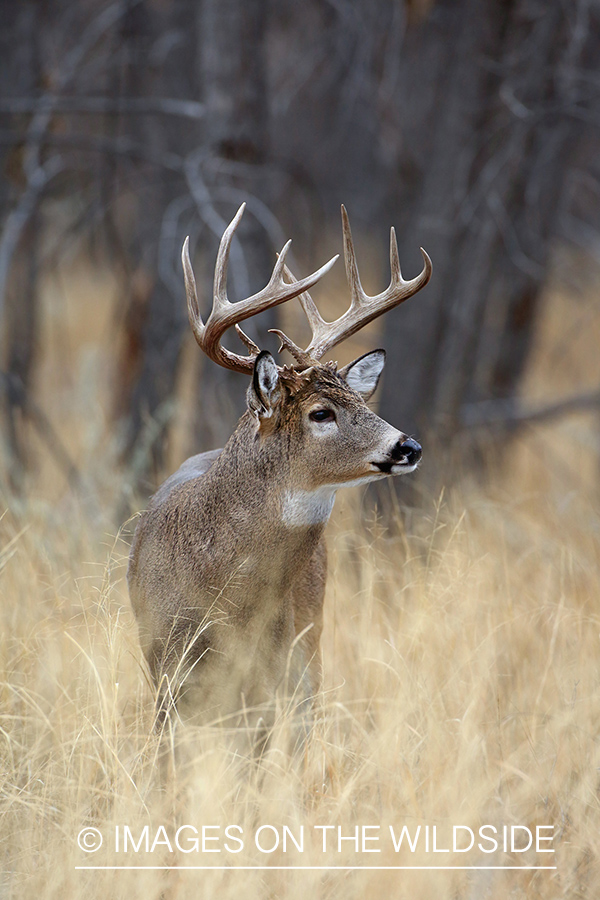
(441,152)
(232,54)
(485,202)
(19,76)
(158,61)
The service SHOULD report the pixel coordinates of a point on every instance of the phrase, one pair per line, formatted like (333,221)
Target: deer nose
(408,451)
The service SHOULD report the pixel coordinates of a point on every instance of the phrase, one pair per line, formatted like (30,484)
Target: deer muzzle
(404,456)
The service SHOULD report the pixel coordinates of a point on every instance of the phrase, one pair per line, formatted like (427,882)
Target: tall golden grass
(462,678)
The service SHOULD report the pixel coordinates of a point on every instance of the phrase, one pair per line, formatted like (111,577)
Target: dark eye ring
(322,415)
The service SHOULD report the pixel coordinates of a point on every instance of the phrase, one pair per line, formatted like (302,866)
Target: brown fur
(227,569)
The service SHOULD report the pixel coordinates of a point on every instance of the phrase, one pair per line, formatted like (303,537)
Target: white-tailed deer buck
(228,564)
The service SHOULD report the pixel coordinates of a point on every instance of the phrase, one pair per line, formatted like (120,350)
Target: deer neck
(257,478)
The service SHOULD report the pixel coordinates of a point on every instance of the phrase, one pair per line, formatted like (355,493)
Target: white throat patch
(300,508)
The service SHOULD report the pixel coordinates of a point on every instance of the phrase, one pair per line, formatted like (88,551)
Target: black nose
(408,450)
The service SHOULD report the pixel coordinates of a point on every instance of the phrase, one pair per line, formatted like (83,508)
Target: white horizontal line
(317,868)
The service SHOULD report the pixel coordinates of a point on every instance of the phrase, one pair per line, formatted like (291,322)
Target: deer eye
(322,415)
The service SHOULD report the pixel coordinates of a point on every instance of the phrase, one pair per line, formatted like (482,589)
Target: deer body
(228,565)
(212,569)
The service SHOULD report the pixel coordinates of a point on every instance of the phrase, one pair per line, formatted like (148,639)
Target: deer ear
(264,391)
(362,375)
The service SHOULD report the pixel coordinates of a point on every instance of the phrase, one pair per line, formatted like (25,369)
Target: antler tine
(394,257)
(247,341)
(363,308)
(193,306)
(220,299)
(314,320)
(356,288)
(397,279)
(225,314)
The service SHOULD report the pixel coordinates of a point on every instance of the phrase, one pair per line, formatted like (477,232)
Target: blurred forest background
(460,642)
(470,125)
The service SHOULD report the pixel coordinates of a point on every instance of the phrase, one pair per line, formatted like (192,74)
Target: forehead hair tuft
(301,383)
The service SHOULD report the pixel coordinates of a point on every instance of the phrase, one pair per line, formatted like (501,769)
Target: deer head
(331,437)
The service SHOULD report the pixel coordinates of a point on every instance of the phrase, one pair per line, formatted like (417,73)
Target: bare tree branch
(18,218)
(91,35)
(39,175)
(510,413)
(167,106)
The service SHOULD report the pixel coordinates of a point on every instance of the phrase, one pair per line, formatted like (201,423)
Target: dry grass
(462,684)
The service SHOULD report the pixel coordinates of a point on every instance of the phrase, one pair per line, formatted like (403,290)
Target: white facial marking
(399,468)
(324,429)
(403,469)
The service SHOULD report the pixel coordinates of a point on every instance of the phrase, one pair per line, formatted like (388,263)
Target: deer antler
(363,308)
(225,314)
